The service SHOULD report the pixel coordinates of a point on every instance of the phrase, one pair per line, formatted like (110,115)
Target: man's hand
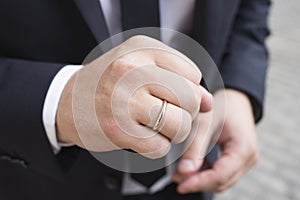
(238,143)
(160,71)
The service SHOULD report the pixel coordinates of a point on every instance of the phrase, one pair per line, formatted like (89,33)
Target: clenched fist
(136,77)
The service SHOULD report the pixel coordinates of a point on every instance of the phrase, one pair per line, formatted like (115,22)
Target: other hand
(238,144)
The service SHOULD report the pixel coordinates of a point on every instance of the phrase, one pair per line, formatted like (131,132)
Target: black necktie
(138,14)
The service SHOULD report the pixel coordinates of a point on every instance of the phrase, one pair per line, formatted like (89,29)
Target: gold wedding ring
(161,116)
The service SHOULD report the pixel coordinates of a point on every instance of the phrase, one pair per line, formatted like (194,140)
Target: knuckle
(137,38)
(121,66)
(109,125)
(112,131)
(221,180)
(219,189)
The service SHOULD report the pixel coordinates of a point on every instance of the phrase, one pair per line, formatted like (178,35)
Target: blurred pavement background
(277,175)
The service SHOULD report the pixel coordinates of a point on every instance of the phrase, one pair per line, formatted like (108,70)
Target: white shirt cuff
(51,103)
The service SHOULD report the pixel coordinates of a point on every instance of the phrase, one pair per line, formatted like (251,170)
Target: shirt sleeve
(51,103)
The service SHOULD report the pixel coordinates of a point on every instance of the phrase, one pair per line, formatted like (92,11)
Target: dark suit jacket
(39,37)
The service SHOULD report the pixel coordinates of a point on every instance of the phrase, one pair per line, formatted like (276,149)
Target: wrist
(239,103)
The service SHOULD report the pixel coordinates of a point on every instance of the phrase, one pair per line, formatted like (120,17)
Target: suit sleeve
(23,88)
(246,58)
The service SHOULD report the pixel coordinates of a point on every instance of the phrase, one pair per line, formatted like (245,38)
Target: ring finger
(175,124)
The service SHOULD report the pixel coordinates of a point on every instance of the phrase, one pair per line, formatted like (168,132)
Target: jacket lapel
(92,13)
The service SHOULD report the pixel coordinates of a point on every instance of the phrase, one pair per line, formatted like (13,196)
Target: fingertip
(206,103)
(186,166)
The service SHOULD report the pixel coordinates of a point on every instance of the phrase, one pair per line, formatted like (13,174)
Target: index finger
(172,60)
(167,57)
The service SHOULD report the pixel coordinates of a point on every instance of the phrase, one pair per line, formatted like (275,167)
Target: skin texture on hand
(155,63)
(239,149)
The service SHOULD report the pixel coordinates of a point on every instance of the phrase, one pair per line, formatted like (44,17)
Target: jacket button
(111,183)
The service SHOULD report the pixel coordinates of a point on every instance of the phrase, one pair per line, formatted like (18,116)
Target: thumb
(206,100)
(192,159)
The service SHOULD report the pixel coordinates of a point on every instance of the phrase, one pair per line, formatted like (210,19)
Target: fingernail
(186,165)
